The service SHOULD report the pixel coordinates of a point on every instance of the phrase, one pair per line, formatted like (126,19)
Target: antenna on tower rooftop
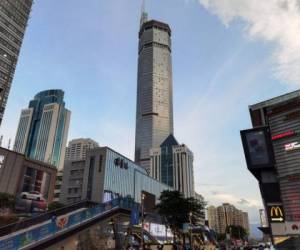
(144,14)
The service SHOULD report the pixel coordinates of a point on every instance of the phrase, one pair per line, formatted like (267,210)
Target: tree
(177,210)
(7,201)
(55,205)
(237,232)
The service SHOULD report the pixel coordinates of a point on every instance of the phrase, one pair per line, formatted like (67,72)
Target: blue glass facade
(40,100)
(44,136)
(167,166)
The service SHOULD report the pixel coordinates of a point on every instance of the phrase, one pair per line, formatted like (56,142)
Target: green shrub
(8,219)
(7,201)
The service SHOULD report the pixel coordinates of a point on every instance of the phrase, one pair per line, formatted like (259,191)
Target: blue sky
(226,55)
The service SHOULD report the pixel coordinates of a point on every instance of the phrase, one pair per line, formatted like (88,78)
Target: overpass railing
(24,238)
(26,223)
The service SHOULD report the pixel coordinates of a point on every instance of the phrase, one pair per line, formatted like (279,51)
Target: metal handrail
(13,227)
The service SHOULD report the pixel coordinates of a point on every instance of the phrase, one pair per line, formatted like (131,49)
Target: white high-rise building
(219,218)
(77,148)
(154,110)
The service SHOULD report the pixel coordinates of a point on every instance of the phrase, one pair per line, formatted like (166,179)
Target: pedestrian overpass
(43,231)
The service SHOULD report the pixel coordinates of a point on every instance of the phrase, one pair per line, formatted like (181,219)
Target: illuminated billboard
(258,148)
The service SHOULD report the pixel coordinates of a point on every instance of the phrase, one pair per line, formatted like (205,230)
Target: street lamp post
(191,232)
(142,229)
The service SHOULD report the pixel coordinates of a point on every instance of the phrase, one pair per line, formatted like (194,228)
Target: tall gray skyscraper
(13,21)
(154,115)
(43,128)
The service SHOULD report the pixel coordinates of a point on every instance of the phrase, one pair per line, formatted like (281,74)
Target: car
(32,195)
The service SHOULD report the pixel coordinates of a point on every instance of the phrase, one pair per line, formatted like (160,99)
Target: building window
(90,178)
(100,163)
(2,158)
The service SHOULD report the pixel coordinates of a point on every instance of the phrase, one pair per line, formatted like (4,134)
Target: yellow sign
(276,213)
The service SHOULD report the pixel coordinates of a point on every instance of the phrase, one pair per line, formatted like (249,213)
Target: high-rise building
(219,218)
(72,179)
(172,164)
(212,217)
(14,16)
(272,153)
(43,128)
(77,148)
(154,114)
(245,221)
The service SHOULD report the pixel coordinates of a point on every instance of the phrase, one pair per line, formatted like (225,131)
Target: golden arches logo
(277,211)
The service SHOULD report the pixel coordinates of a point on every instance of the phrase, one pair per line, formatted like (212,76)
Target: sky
(226,55)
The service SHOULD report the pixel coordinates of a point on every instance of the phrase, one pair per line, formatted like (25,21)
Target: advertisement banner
(27,238)
(135,215)
(293,227)
(62,222)
(74,219)
(10,244)
(45,230)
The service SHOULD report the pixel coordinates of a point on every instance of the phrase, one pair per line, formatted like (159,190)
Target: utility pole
(142,219)
(191,232)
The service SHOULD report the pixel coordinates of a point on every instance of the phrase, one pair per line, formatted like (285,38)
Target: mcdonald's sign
(276,213)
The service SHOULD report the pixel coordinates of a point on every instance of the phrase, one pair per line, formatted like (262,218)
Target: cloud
(235,200)
(251,206)
(273,21)
(243,202)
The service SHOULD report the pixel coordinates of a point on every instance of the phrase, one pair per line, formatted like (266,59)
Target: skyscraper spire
(144,14)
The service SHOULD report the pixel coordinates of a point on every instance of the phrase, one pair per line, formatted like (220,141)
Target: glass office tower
(154,111)
(43,128)
(14,16)
(172,164)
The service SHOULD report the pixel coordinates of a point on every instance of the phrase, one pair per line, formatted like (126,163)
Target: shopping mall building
(104,175)
(272,151)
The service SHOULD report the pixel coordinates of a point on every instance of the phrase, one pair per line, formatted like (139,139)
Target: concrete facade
(72,181)
(219,218)
(108,174)
(19,173)
(77,148)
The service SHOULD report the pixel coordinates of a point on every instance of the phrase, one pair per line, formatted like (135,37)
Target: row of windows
(23,5)
(74,190)
(5,32)
(9,46)
(154,44)
(78,172)
(15,16)
(6,66)
(43,135)
(158,28)
(19,32)
(21,134)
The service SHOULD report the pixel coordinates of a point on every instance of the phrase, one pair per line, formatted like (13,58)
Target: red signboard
(283,135)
